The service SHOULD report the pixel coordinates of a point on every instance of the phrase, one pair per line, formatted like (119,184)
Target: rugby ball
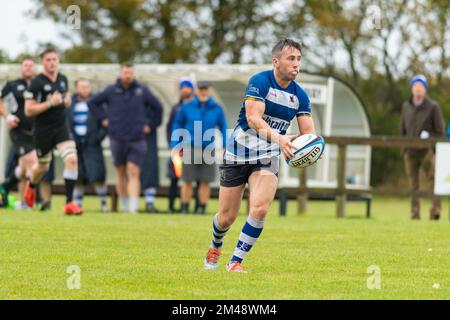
(308,148)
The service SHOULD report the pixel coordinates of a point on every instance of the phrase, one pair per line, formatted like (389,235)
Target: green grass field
(311,256)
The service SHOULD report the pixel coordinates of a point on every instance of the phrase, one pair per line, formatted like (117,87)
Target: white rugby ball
(308,149)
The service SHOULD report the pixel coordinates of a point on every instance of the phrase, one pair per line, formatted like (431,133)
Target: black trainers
(150,208)
(46,206)
(184,208)
(3,197)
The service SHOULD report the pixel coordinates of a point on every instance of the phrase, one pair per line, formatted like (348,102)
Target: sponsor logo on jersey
(252,88)
(48,88)
(277,125)
(20,87)
(28,95)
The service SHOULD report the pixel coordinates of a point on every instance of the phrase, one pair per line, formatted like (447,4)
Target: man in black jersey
(12,96)
(47,98)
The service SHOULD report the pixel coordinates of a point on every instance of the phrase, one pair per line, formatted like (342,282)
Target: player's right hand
(12,121)
(56,99)
(286,145)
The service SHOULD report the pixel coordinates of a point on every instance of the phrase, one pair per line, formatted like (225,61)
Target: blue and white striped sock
(78,194)
(150,194)
(218,233)
(102,193)
(250,233)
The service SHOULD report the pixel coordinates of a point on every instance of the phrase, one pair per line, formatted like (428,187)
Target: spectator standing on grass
(88,133)
(150,172)
(187,93)
(126,116)
(199,118)
(421,117)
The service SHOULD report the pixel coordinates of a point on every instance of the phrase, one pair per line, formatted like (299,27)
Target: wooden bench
(324,194)
(283,195)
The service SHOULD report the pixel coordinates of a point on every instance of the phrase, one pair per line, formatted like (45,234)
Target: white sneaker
(21,206)
(212,259)
(235,267)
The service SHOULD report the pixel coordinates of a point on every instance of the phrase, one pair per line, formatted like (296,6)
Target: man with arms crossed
(272,100)
(20,128)
(47,99)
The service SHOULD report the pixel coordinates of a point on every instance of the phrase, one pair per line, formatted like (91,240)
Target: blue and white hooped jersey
(282,105)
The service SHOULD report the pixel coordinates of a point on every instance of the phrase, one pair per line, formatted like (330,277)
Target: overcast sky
(20,32)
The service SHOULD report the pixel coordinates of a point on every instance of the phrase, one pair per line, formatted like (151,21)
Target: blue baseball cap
(419,78)
(185,82)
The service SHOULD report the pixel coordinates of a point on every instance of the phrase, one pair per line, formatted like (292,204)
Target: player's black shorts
(46,140)
(22,142)
(236,174)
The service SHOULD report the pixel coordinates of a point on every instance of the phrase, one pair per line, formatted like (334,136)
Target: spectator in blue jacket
(187,93)
(195,125)
(88,133)
(128,105)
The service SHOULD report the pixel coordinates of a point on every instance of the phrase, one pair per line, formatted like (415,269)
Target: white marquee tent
(337,111)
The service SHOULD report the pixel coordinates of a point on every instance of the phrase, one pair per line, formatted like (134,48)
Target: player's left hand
(68,100)
(12,121)
(147,129)
(286,145)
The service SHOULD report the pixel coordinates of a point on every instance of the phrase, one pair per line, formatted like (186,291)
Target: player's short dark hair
(26,58)
(285,42)
(80,80)
(47,51)
(126,65)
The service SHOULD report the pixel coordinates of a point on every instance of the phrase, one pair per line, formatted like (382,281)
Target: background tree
(374,45)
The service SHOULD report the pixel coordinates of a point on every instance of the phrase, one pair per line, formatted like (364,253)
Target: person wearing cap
(195,125)
(421,117)
(187,93)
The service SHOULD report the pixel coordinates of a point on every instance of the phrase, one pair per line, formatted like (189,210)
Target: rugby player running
(20,128)
(272,100)
(47,99)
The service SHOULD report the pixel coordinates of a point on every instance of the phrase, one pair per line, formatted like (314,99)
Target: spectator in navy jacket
(88,133)
(128,105)
(198,118)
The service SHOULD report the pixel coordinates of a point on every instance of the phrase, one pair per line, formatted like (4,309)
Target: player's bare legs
(45,191)
(26,164)
(121,186)
(229,204)
(134,186)
(186,192)
(263,186)
(68,152)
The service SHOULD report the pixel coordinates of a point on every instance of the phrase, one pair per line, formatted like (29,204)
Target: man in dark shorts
(128,105)
(272,100)
(20,129)
(47,99)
